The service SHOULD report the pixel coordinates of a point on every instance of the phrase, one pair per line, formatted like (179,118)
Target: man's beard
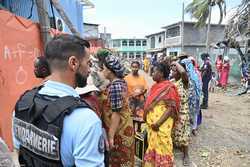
(81,81)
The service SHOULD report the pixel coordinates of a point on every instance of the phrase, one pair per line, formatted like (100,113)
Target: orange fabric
(135,83)
(166,91)
(20,44)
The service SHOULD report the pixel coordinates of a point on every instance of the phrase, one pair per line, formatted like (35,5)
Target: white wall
(158,44)
(90,31)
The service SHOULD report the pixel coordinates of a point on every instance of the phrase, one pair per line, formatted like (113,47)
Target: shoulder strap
(62,105)
(26,100)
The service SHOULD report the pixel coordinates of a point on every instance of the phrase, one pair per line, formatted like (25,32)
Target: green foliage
(199,9)
(103,52)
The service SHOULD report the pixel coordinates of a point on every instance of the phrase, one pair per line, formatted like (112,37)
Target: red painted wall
(20,43)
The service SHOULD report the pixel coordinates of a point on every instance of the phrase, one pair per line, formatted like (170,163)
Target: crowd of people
(82,114)
(173,106)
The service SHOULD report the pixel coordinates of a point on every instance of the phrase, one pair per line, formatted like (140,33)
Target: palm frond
(199,9)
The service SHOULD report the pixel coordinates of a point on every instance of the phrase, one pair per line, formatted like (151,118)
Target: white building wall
(159,41)
(90,31)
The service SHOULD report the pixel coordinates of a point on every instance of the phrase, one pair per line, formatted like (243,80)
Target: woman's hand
(107,145)
(145,116)
(155,127)
(111,143)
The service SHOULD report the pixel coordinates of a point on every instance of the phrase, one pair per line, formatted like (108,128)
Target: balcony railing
(173,41)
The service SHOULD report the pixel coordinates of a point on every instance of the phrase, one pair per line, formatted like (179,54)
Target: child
(213,82)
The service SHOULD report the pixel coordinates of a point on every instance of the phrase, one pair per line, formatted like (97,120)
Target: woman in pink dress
(225,72)
(218,65)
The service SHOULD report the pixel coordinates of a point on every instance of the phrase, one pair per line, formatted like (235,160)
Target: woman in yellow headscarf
(146,64)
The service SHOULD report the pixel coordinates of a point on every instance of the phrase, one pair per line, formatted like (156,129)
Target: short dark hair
(135,62)
(61,47)
(164,68)
(41,67)
(204,55)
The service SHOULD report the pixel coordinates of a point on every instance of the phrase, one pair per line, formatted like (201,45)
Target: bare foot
(186,161)
(194,132)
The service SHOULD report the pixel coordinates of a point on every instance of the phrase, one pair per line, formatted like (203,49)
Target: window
(144,43)
(131,43)
(138,43)
(131,55)
(124,43)
(124,55)
(173,32)
(173,53)
(152,42)
(138,55)
(116,43)
(159,40)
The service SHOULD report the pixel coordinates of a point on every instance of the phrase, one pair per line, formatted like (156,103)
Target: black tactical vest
(38,125)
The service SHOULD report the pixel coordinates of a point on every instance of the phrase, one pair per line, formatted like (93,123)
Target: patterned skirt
(160,147)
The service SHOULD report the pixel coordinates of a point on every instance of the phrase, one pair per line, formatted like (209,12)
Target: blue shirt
(81,134)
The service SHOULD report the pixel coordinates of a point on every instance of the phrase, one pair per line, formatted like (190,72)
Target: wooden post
(208,28)
(43,20)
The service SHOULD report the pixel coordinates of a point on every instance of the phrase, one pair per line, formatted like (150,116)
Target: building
(194,39)
(156,43)
(91,33)
(90,30)
(169,41)
(107,38)
(129,48)
(73,8)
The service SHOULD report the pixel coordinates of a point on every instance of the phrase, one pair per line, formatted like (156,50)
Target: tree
(239,26)
(202,9)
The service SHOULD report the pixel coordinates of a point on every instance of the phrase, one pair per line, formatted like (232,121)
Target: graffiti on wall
(20,43)
(18,53)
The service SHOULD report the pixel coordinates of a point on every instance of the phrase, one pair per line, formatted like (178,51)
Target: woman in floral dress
(117,116)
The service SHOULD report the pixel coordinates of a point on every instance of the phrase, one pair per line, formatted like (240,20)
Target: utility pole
(105,37)
(43,20)
(208,27)
(182,29)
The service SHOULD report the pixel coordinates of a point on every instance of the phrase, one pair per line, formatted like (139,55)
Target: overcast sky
(137,18)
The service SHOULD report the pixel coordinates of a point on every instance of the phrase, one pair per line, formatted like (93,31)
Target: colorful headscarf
(113,63)
(196,67)
(166,91)
(192,74)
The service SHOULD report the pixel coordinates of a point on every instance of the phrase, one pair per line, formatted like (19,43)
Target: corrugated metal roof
(162,32)
(87,3)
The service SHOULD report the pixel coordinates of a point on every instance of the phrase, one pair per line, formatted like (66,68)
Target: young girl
(213,82)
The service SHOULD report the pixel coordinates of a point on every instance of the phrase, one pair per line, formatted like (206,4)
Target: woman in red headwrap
(161,107)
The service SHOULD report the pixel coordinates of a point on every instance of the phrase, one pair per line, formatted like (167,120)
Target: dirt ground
(223,138)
